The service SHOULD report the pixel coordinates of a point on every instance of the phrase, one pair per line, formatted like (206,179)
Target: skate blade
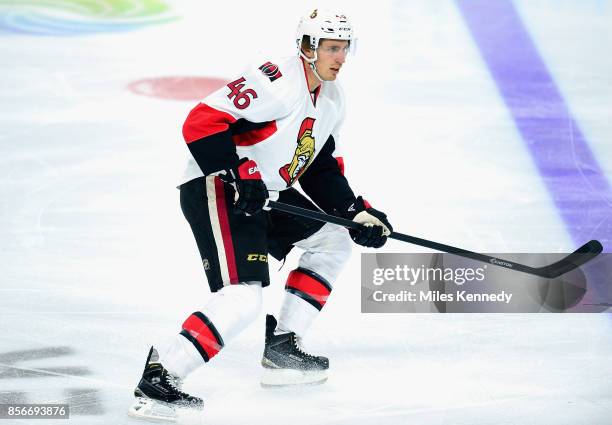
(274,378)
(151,410)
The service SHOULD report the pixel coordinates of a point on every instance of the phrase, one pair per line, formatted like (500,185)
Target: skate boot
(285,362)
(158,393)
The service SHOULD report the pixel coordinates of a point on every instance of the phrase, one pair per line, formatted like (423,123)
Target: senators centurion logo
(271,71)
(304,153)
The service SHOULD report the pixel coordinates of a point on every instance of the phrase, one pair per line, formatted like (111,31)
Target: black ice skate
(285,363)
(159,393)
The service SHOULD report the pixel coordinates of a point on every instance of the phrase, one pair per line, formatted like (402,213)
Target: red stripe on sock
(203,335)
(308,285)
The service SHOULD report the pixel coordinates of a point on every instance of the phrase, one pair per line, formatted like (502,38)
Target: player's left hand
(377,227)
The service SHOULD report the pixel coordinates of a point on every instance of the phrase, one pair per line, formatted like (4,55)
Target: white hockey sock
(325,254)
(296,315)
(229,311)
(180,357)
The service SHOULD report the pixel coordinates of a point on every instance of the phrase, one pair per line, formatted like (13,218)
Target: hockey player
(274,125)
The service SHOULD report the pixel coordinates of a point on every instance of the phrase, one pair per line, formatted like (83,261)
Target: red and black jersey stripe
(203,335)
(247,133)
(207,134)
(212,136)
(309,286)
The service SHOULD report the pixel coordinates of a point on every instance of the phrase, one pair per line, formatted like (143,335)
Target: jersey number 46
(241,97)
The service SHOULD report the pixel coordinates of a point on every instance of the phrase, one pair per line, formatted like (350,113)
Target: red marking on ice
(177,88)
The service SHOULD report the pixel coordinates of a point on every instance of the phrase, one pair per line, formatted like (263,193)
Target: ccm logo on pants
(257,257)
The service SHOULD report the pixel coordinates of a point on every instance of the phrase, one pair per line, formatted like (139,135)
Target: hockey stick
(577,258)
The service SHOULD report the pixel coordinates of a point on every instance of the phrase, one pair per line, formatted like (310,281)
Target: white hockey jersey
(269,115)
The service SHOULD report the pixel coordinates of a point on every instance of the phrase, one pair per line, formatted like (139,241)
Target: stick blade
(581,256)
(594,247)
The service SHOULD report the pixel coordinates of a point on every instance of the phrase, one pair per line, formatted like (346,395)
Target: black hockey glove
(250,190)
(377,226)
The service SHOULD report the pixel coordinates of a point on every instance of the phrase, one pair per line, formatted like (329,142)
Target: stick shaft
(575,259)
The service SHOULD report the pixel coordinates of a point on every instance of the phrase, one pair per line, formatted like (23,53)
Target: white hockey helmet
(322,24)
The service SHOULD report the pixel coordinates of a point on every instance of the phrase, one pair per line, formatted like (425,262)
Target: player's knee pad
(340,246)
(326,252)
(234,307)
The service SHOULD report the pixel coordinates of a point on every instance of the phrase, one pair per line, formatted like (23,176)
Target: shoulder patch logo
(271,71)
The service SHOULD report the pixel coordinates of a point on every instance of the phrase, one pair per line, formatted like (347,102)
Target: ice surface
(98,262)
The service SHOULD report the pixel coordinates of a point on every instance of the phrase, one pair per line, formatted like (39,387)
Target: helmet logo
(313,14)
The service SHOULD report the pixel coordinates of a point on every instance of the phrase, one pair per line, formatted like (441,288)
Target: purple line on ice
(569,169)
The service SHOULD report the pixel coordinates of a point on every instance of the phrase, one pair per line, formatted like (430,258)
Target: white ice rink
(97,261)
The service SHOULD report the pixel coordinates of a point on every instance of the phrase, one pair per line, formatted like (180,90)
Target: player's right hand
(376,225)
(251,192)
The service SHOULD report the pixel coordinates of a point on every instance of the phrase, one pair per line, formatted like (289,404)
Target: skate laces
(297,343)
(175,383)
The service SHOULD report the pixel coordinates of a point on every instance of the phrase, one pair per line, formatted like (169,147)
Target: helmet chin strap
(311,63)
